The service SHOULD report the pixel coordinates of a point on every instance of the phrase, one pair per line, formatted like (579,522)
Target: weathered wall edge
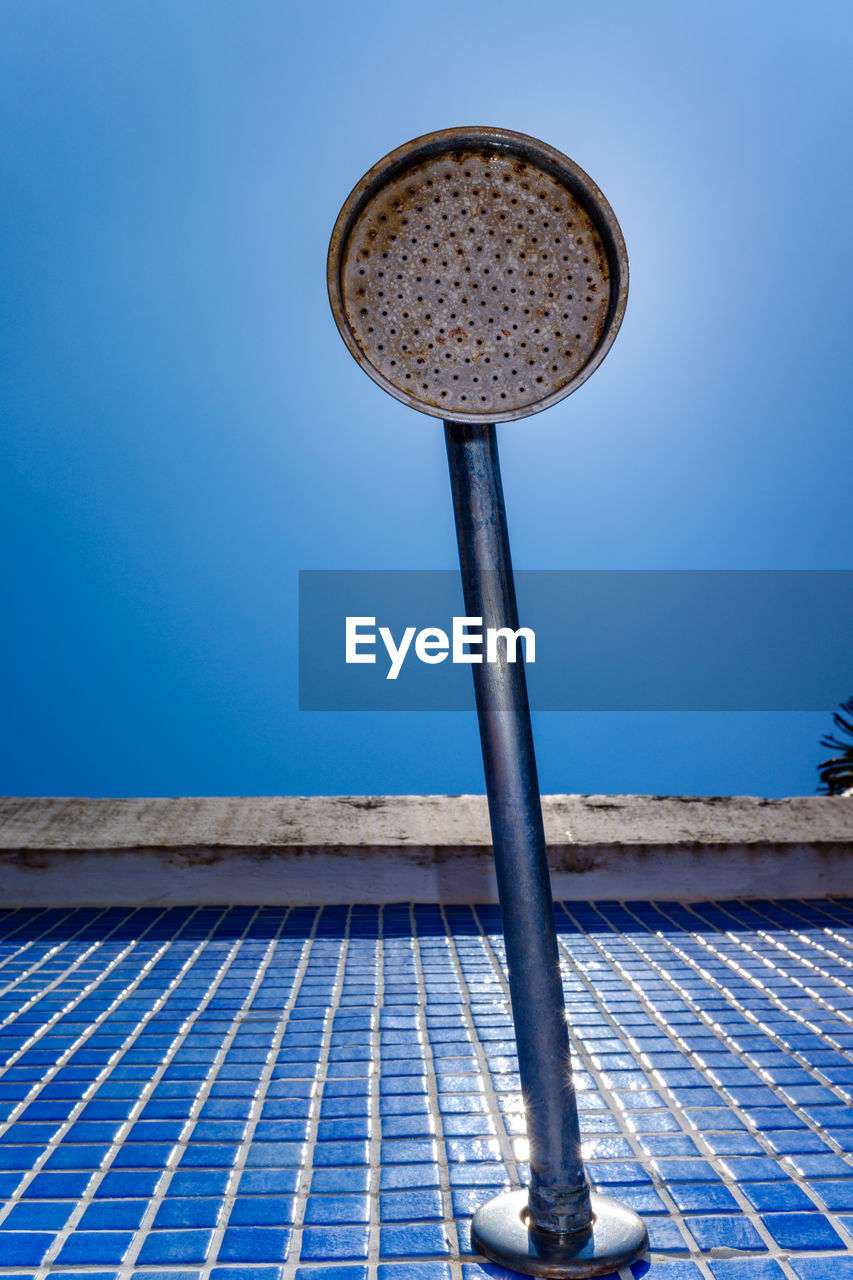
(313,850)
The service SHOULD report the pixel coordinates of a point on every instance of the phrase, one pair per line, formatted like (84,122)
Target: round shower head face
(477,275)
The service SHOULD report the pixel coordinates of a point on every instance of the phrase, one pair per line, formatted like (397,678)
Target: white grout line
(375,1143)
(435,1110)
(505,1140)
(293,1253)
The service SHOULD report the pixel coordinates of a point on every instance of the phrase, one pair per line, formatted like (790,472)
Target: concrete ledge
(317,849)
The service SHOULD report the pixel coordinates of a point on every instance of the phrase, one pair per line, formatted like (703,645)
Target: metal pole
(558,1192)
(558,1228)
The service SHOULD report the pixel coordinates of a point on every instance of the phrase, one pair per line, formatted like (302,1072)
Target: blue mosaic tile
(777,1196)
(342,1272)
(734,1144)
(262,1211)
(113,1215)
(837,1196)
(37,1216)
(653,1122)
(757,1169)
(338,1153)
(25,1248)
(664,1236)
(408,1152)
(203,1156)
(201,1212)
(821,1166)
(350,1129)
(175,1246)
(411,1206)
(822,1268)
(413,1240)
(402,1176)
(745,1269)
(802,1231)
(462,1175)
(327,1243)
(260,1182)
(95,1246)
(336,1209)
(723,1232)
(344,1181)
(467,1200)
(198,1182)
(615,1173)
(240,1273)
(701,1197)
(413,1271)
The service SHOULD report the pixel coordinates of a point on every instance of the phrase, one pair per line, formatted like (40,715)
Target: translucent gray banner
(603,640)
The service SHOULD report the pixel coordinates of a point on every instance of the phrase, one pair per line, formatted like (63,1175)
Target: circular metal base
(616,1237)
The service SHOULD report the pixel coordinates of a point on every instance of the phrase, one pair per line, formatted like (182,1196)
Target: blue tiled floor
(249,1094)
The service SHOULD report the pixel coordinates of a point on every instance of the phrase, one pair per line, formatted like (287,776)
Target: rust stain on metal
(477,282)
(496,263)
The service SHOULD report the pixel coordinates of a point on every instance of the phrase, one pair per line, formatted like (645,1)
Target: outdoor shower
(479,276)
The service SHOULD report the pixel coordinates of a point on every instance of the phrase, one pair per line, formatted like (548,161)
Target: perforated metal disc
(477,275)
